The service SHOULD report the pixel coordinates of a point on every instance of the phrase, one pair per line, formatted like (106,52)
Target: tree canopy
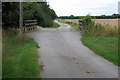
(39,11)
(10,14)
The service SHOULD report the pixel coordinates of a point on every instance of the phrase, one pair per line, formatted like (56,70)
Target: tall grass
(101,38)
(90,27)
(72,25)
(69,23)
(20,58)
(55,25)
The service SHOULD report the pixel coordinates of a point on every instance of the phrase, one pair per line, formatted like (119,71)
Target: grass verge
(55,25)
(105,46)
(20,59)
(73,25)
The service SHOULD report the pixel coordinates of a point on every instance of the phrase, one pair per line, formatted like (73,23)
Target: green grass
(20,59)
(73,25)
(105,46)
(55,25)
(59,20)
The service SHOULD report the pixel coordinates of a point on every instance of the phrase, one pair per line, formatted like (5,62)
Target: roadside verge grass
(73,25)
(20,59)
(105,46)
(55,25)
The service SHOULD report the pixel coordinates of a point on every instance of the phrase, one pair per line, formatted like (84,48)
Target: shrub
(90,27)
(39,11)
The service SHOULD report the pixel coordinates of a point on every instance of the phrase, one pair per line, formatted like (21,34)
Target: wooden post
(0,40)
(21,17)
(81,24)
(20,36)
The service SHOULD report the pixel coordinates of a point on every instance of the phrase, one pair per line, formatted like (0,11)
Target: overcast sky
(83,7)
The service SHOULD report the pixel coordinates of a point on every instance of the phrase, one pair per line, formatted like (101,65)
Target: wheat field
(112,22)
(110,25)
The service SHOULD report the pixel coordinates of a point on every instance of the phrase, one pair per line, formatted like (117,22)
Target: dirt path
(62,55)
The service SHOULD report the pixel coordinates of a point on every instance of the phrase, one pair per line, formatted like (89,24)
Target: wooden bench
(30,25)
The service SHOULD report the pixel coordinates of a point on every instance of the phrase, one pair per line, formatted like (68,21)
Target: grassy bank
(20,59)
(71,24)
(55,25)
(101,38)
(105,46)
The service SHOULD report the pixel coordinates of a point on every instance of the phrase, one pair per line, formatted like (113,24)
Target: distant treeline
(113,16)
(39,11)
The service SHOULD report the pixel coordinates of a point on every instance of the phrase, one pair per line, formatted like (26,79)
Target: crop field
(74,21)
(111,22)
(110,25)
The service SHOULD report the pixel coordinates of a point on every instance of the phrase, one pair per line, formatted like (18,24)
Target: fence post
(21,16)
(0,40)
(81,23)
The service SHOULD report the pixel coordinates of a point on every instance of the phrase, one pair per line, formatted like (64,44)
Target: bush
(39,11)
(90,27)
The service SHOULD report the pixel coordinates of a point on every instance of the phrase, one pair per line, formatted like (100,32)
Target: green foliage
(87,23)
(69,17)
(113,16)
(55,25)
(102,39)
(106,47)
(73,25)
(87,20)
(21,59)
(39,11)
(72,16)
(90,27)
(10,14)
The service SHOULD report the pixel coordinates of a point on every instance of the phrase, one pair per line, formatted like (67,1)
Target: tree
(10,14)
(31,10)
(87,20)
(39,11)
